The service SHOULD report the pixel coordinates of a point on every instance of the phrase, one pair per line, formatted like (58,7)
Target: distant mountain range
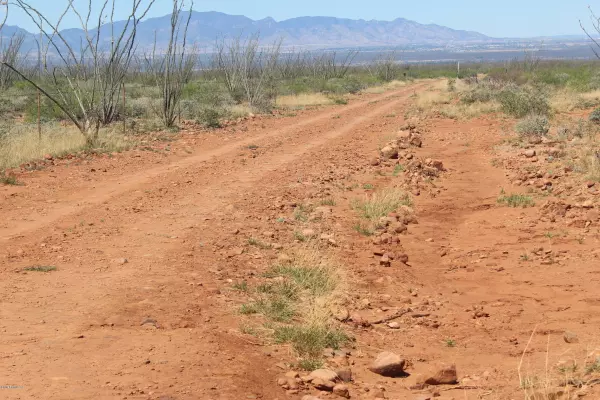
(302,32)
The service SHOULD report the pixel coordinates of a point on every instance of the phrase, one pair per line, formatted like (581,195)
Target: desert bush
(521,101)
(480,93)
(142,107)
(210,117)
(533,125)
(452,85)
(595,116)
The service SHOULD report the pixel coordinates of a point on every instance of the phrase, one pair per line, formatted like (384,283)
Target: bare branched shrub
(330,64)
(10,52)
(248,69)
(385,67)
(172,70)
(84,82)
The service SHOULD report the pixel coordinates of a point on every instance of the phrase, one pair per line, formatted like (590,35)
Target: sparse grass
(450,343)
(339,100)
(40,268)
(550,235)
(8,179)
(593,367)
(363,229)
(368,186)
(259,243)
(300,237)
(381,203)
(252,147)
(303,100)
(318,280)
(309,341)
(241,286)
(296,300)
(277,309)
(249,330)
(524,257)
(22,143)
(385,87)
(398,169)
(302,212)
(328,202)
(310,364)
(516,200)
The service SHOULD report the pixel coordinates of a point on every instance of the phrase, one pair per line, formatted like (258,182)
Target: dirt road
(145,246)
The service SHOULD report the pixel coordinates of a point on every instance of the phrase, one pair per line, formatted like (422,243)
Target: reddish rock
(342,391)
(444,376)
(388,364)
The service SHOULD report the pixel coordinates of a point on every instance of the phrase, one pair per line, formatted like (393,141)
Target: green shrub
(595,116)
(533,125)
(519,102)
(210,117)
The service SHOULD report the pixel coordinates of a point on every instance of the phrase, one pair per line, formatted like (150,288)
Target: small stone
(324,374)
(570,337)
(308,233)
(236,251)
(121,261)
(388,364)
(389,152)
(342,315)
(444,376)
(375,162)
(321,384)
(342,391)
(292,374)
(529,153)
(345,375)
(284,258)
(149,322)
(282,382)
(403,258)
(307,397)
(385,261)
(394,325)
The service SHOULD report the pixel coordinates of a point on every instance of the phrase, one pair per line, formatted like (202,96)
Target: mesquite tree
(83,79)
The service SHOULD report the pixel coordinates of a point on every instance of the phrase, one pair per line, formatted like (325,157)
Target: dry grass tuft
(385,87)
(297,301)
(22,143)
(382,202)
(567,100)
(303,100)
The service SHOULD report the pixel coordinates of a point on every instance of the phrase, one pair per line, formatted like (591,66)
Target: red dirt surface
(147,246)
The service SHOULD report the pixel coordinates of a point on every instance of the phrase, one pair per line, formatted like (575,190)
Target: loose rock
(320,384)
(388,364)
(342,391)
(571,337)
(445,376)
(324,374)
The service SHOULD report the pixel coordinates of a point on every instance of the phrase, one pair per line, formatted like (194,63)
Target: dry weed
(303,100)
(22,143)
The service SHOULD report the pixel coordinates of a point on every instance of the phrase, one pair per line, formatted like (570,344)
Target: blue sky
(499,18)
